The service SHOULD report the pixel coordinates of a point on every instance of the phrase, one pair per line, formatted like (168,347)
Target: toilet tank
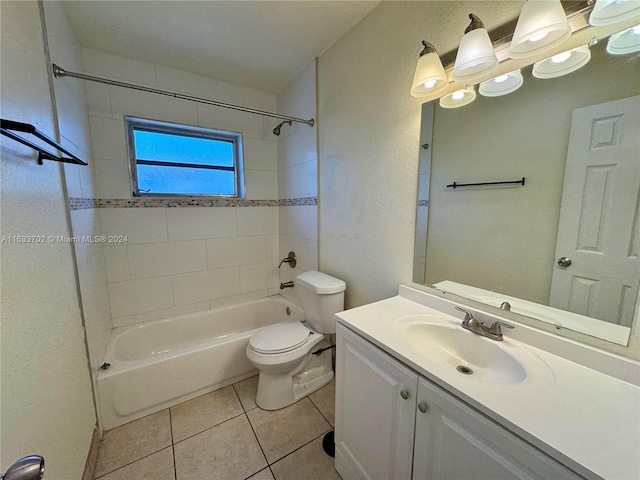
(321,296)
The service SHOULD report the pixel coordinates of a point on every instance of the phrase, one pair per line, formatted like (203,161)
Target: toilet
(284,352)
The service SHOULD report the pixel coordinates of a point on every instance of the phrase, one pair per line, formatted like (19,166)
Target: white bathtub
(158,364)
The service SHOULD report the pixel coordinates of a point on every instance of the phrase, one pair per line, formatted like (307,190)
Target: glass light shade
(429,77)
(459,98)
(475,56)
(542,25)
(606,12)
(562,64)
(627,41)
(502,85)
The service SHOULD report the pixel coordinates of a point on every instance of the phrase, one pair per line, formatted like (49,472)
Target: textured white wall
(298,176)
(46,391)
(369,139)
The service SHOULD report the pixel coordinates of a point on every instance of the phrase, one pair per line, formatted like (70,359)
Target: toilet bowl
(290,355)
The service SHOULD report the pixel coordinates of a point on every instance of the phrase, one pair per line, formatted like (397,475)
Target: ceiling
(257,44)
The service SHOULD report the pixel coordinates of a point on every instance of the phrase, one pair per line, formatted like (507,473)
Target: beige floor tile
(227,451)
(282,431)
(204,412)
(262,475)
(247,390)
(325,400)
(131,442)
(310,462)
(158,466)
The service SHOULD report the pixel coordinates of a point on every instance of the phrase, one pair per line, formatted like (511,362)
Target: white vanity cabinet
(392,424)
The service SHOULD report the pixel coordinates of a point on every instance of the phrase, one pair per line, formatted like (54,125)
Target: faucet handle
(495,326)
(468,316)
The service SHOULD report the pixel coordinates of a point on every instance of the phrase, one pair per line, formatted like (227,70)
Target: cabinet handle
(423,407)
(404,394)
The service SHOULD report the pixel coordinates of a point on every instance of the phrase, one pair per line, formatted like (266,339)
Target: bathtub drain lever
(319,351)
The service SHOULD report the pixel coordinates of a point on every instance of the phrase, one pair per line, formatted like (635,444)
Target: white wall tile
(260,154)
(303,222)
(176,80)
(114,66)
(148,260)
(171,312)
(257,220)
(98,99)
(208,285)
(138,296)
(251,250)
(152,106)
(253,277)
(117,264)
(201,223)
(243,297)
(261,185)
(221,252)
(72,179)
(112,178)
(298,147)
(140,225)
(218,118)
(108,138)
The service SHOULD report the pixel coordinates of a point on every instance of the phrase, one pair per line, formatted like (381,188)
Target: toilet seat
(279,338)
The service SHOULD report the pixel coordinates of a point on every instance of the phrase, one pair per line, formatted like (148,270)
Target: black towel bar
(8,127)
(456,185)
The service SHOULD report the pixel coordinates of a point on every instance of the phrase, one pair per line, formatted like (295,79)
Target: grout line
(318,408)
(261,449)
(131,463)
(209,428)
(173,450)
(302,446)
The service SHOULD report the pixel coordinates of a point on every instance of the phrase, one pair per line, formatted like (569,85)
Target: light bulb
(561,57)
(538,37)
(459,95)
(430,84)
(501,78)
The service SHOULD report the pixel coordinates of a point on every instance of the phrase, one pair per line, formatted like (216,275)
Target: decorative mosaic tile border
(79,203)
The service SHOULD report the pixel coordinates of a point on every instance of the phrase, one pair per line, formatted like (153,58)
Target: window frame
(157,126)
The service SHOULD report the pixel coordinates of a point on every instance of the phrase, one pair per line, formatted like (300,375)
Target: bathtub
(159,364)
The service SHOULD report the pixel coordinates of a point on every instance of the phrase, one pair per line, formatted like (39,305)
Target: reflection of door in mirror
(598,229)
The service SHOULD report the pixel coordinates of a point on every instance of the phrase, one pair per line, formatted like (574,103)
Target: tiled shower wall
(178,259)
(298,176)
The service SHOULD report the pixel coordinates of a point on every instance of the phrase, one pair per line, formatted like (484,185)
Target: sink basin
(478,357)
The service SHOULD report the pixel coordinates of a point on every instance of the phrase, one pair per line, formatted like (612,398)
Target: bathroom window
(168,159)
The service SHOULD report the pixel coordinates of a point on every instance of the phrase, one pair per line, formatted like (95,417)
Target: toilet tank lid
(320,283)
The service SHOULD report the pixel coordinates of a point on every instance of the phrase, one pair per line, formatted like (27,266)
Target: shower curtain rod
(59,72)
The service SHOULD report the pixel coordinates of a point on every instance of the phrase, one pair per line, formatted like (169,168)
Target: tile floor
(223,435)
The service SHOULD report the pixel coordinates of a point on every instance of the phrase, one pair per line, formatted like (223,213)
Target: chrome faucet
(494,332)
(505,306)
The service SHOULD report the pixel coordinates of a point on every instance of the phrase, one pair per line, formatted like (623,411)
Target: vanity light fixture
(606,12)
(459,98)
(502,84)
(542,25)
(627,41)
(562,63)
(475,55)
(429,77)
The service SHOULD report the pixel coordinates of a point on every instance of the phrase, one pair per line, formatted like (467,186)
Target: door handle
(564,261)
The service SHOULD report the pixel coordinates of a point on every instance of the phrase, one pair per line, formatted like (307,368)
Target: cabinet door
(375,411)
(453,441)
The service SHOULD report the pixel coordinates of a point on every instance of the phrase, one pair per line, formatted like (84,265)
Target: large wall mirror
(564,247)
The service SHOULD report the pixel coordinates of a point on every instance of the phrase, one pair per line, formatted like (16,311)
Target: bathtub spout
(286,285)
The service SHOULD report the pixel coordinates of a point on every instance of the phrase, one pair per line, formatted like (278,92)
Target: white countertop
(585,419)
